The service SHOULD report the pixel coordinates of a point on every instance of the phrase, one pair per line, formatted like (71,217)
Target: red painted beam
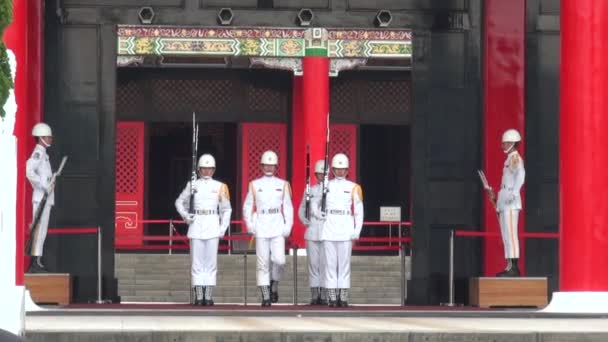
(582,145)
(504,70)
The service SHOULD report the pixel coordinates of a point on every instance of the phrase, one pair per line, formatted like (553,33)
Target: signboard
(390,214)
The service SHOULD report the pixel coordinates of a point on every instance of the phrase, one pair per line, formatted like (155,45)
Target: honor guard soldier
(268,213)
(206,225)
(343,221)
(38,172)
(314,245)
(508,203)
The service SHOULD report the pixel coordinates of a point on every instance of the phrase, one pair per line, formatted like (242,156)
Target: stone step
(165,278)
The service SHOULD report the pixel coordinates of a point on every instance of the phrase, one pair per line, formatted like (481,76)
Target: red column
(503,107)
(583,139)
(310,108)
(25,38)
(298,162)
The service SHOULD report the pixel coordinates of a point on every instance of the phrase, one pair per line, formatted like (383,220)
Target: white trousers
(337,264)
(203,254)
(316,263)
(43,228)
(270,253)
(508,230)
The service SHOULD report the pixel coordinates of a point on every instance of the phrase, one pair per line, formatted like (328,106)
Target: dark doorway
(384,169)
(169,162)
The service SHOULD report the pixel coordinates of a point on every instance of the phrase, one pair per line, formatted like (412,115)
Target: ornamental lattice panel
(343,139)
(179,95)
(387,96)
(256,139)
(129,183)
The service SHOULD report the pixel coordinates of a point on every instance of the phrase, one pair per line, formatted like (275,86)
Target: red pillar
(25,38)
(583,137)
(504,69)
(310,108)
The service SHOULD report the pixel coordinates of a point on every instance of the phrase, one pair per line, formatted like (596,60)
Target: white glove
(286,232)
(354,236)
(251,230)
(510,198)
(189,219)
(321,215)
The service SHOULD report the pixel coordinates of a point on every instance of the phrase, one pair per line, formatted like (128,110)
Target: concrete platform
(288,323)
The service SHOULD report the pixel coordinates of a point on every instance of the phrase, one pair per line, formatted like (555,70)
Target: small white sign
(390,214)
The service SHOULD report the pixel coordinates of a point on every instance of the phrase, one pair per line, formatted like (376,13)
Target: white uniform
(508,203)
(314,245)
(268,213)
(38,172)
(211,219)
(343,223)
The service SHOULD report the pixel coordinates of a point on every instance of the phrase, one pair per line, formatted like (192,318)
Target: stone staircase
(165,278)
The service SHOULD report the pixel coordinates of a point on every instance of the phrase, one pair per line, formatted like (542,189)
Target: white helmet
(269,158)
(511,135)
(206,160)
(340,161)
(42,130)
(320,166)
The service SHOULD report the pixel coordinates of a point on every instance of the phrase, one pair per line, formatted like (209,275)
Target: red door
(343,139)
(129,183)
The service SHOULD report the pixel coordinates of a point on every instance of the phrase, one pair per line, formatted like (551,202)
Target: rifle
(35,225)
(325,170)
(194,175)
(307,191)
(487,187)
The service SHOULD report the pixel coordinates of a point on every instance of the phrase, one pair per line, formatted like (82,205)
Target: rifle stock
(325,170)
(35,225)
(193,176)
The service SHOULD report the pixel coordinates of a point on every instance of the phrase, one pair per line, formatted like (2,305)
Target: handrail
(388,246)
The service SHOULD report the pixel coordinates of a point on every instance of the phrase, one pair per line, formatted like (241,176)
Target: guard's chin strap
(268,174)
(509,149)
(206,177)
(44,142)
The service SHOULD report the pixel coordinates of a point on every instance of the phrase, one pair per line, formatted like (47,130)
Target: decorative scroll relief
(123,61)
(337,65)
(291,64)
(263,42)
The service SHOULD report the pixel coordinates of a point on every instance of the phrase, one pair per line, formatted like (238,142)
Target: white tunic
(344,211)
(38,172)
(513,176)
(313,225)
(267,210)
(212,208)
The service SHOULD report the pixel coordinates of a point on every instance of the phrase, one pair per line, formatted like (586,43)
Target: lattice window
(127,140)
(343,139)
(187,95)
(344,97)
(129,98)
(388,96)
(264,99)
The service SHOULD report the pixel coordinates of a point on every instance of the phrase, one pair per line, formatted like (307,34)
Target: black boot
(208,292)
(512,269)
(36,265)
(332,298)
(274,291)
(322,296)
(265,295)
(200,295)
(343,299)
(315,296)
